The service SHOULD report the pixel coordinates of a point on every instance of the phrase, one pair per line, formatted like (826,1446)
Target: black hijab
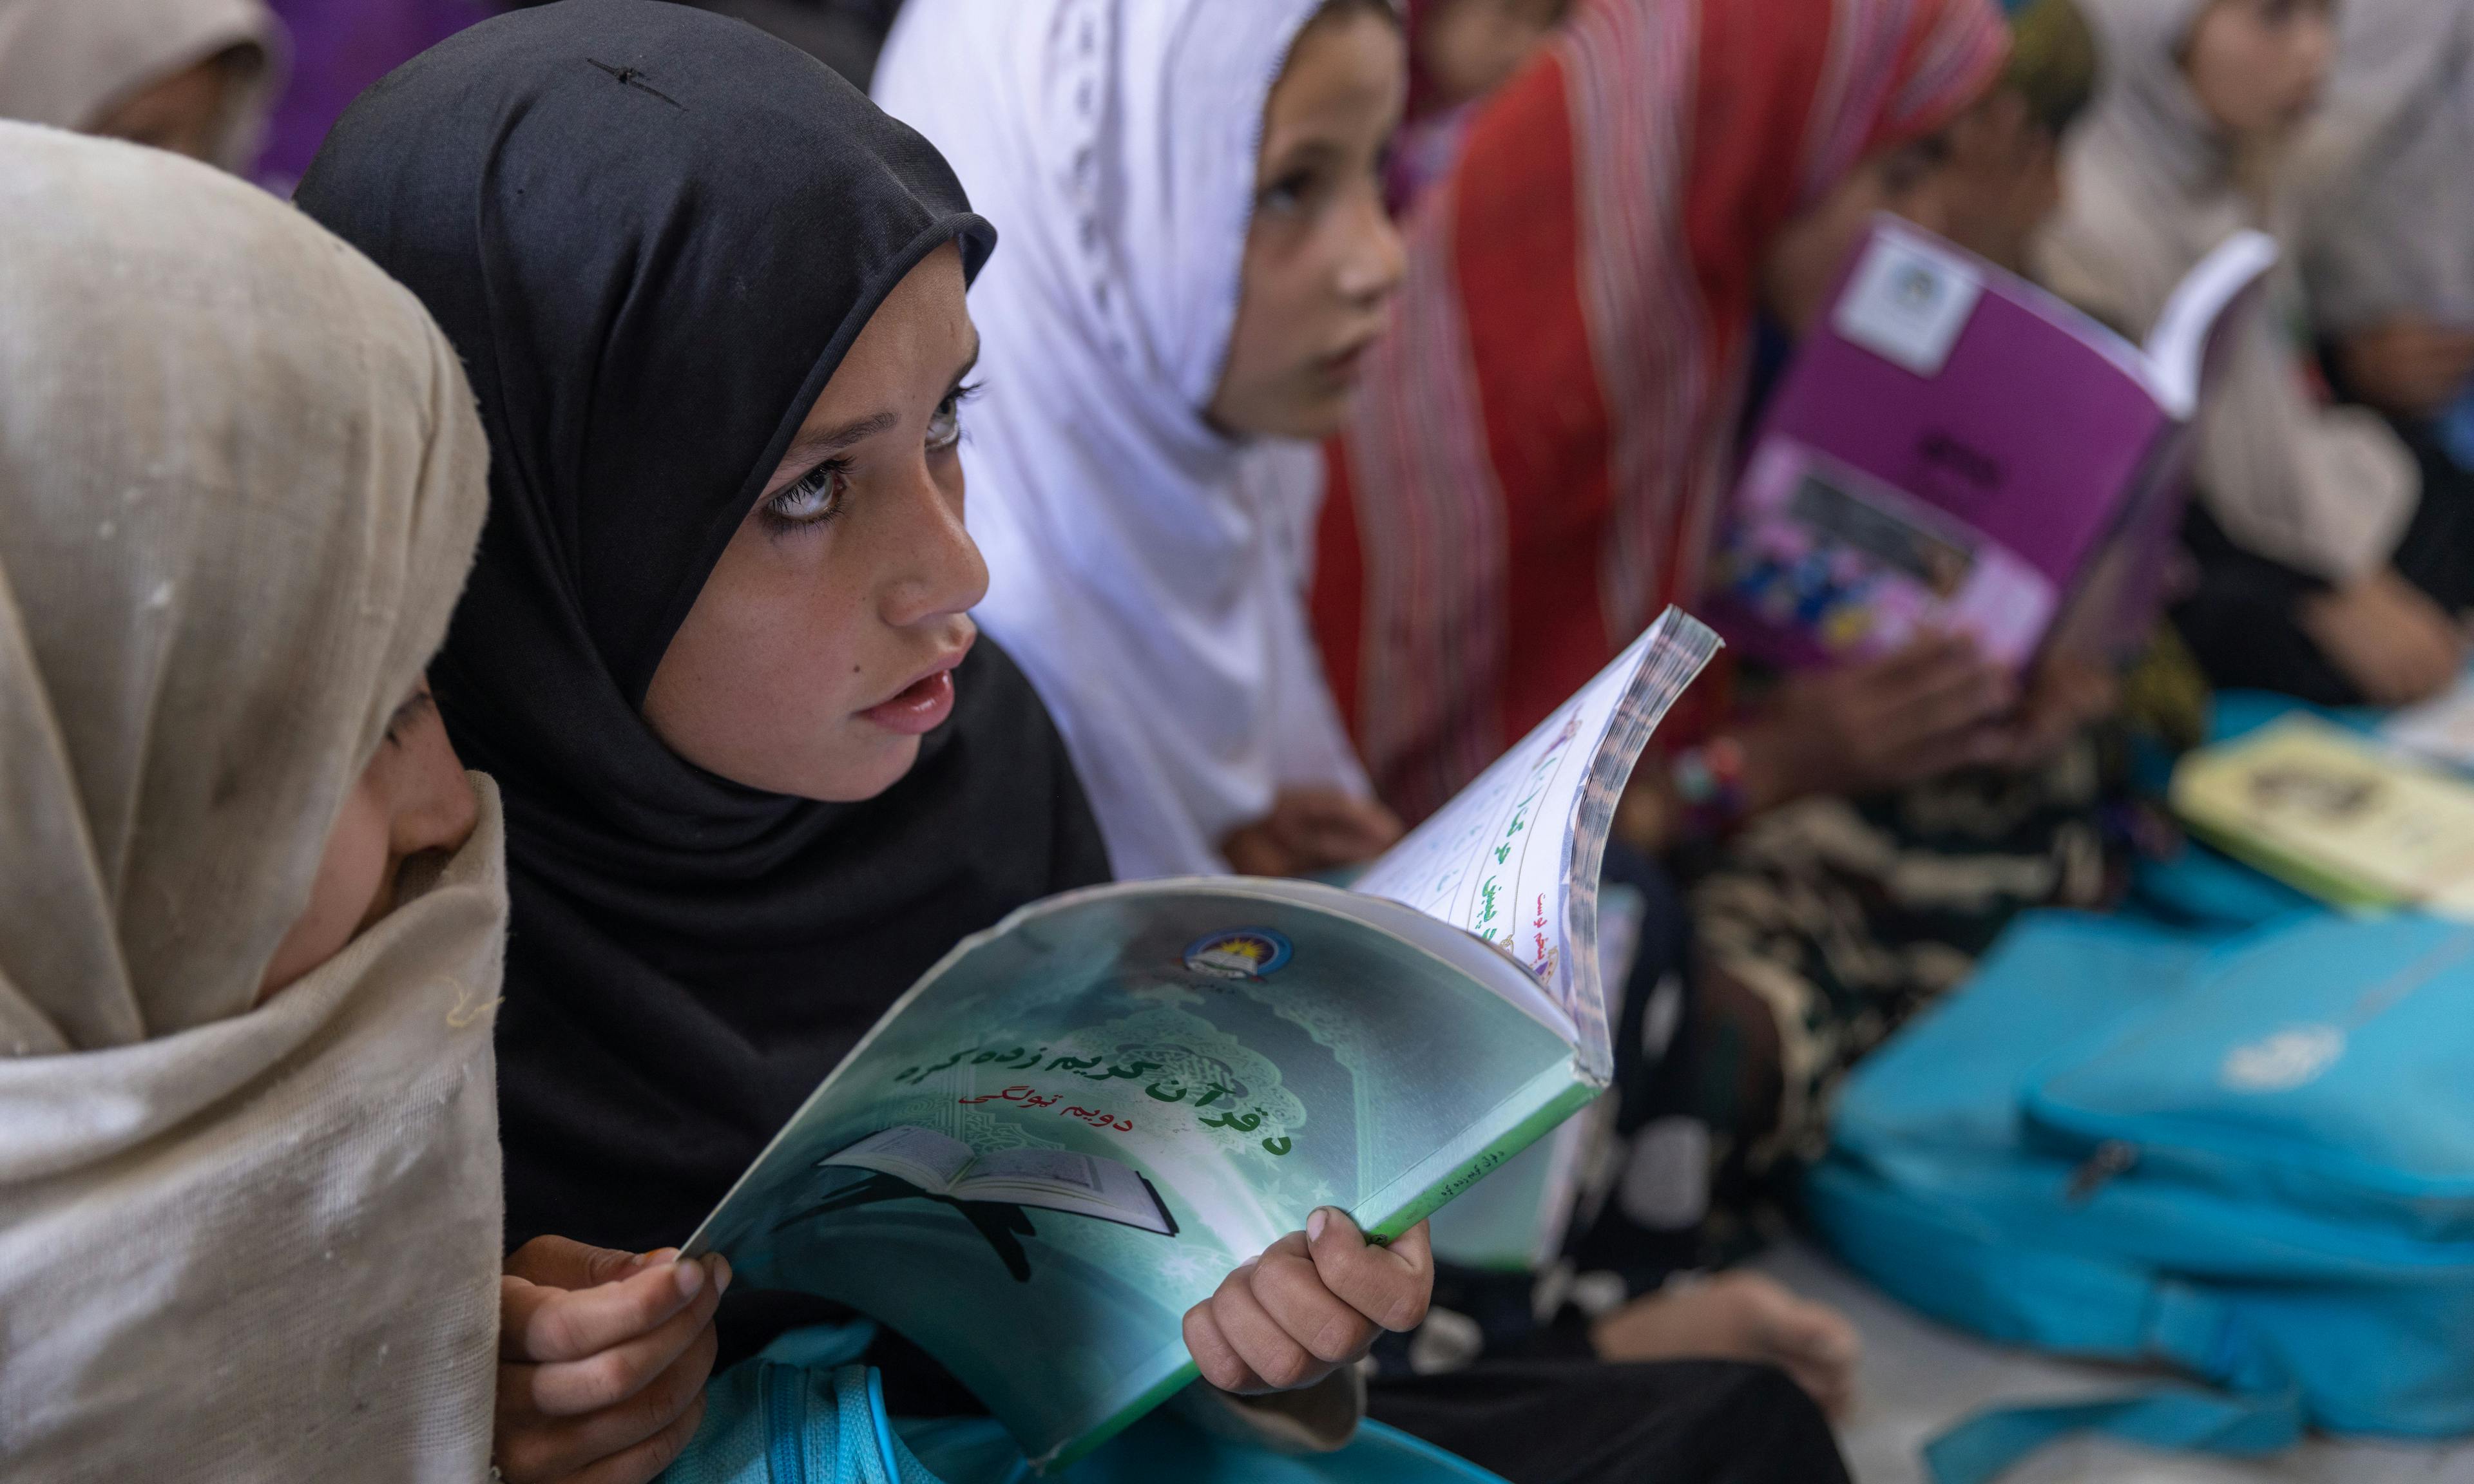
(653,233)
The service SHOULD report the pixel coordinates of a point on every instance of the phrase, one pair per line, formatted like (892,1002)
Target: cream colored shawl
(72,62)
(240,482)
(2150,187)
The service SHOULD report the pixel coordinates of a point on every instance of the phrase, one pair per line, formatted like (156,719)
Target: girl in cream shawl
(251,908)
(2302,505)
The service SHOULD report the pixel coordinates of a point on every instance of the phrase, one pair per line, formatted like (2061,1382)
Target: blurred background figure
(2313,578)
(1460,51)
(339,48)
(196,77)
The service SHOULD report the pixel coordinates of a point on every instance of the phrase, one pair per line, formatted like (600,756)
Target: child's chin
(887,760)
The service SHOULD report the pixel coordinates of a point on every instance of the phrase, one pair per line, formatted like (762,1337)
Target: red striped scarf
(1543,439)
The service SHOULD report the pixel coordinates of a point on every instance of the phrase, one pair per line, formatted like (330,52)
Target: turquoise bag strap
(851,1443)
(1978,1449)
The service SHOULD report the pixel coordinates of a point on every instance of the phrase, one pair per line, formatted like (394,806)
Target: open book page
(2190,336)
(1514,856)
(1153,1082)
(2441,728)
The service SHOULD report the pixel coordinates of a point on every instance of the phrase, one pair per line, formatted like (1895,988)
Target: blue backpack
(2249,1157)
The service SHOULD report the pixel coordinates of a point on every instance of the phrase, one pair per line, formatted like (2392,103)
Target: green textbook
(1072,1128)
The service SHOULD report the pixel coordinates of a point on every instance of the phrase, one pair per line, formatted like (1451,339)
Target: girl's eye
(815,498)
(404,716)
(945,427)
(1289,193)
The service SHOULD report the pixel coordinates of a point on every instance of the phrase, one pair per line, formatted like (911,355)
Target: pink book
(1955,447)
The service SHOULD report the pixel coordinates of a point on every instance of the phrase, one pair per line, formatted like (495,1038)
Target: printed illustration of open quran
(990,1190)
(1076,1124)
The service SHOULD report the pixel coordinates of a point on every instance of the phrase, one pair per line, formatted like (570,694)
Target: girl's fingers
(559,1262)
(1215,1358)
(549,1325)
(1391,1285)
(1267,1350)
(533,1446)
(643,1463)
(574,1388)
(1293,1293)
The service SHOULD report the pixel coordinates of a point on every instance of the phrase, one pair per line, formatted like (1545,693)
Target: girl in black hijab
(717,649)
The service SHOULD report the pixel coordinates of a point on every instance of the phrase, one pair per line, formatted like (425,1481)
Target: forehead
(917,341)
(1349,72)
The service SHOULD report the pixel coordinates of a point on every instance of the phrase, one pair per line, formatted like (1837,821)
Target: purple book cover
(1952,448)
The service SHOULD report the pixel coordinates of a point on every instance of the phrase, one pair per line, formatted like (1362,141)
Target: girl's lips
(919,709)
(1343,366)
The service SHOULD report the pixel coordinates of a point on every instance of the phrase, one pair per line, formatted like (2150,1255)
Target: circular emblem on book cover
(1239,953)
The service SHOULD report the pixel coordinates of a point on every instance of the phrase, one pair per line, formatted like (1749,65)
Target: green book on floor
(2337,814)
(1070,1130)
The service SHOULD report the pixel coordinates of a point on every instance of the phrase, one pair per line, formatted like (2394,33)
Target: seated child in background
(251,907)
(1158,357)
(196,77)
(1460,51)
(2386,211)
(2303,508)
(1540,459)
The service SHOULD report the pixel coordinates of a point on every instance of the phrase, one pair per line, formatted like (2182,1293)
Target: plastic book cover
(1079,1122)
(2335,814)
(1955,447)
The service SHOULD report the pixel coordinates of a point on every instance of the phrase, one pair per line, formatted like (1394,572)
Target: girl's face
(182,112)
(1321,258)
(1471,47)
(2257,66)
(412,797)
(823,645)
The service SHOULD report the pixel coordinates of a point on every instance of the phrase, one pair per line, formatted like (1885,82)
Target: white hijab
(72,62)
(1146,571)
(2390,186)
(2150,187)
(240,482)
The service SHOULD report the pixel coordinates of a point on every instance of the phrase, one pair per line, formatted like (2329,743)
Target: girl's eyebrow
(808,449)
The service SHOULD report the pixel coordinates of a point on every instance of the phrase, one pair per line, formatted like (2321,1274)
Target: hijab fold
(68,63)
(1147,570)
(2390,203)
(1544,439)
(2150,187)
(240,483)
(653,233)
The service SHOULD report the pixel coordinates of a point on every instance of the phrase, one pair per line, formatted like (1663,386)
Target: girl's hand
(1311,831)
(1311,1304)
(2387,638)
(1927,708)
(602,1360)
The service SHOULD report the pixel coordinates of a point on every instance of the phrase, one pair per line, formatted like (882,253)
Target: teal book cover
(1079,1122)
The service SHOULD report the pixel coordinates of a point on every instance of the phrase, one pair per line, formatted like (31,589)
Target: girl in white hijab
(251,910)
(196,77)
(1141,481)
(2305,503)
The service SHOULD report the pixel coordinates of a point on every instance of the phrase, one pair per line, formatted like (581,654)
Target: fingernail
(654,1258)
(1315,1224)
(690,1279)
(721,1273)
